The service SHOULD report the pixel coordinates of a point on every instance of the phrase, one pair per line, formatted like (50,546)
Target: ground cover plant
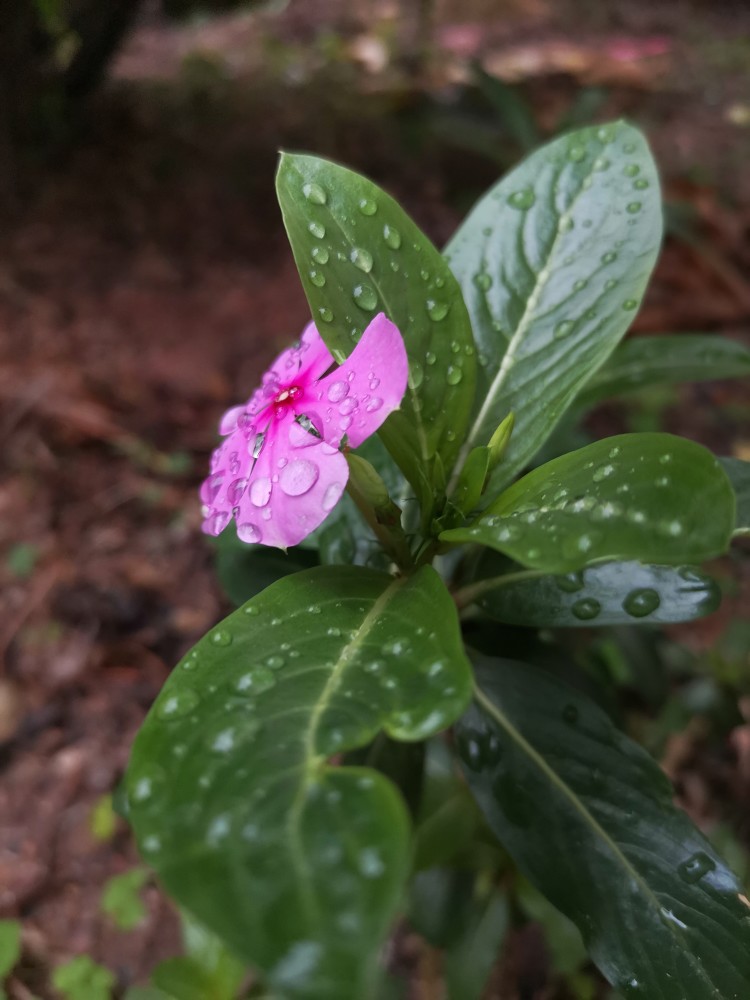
(396,707)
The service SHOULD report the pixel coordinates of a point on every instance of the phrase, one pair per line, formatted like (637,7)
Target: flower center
(287,396)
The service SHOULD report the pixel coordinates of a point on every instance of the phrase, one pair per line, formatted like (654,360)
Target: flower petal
(367,387)
(295,483)
(302,364)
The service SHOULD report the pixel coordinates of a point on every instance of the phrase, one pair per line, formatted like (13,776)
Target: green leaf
(472,479)
(635,496)
(563,938)
(298,866)
(82,979)
(103,819)
(121,898)
(469,961)
(184,979)
(10,945)
(207,950)
(642,361)
(553,262)
(617,593)
(358,253)
(739,476)
(146,993)
(660,913)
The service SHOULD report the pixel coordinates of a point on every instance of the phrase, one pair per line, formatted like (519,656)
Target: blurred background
(145,281)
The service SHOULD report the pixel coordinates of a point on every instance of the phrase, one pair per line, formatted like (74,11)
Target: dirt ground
(146,280)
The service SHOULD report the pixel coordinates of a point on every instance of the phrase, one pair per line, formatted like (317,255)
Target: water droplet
(576,153)
(371,864)
(570,713)
(248,532)
(629,304)
(255,681)
(522,199)
(563,328)
(218,521)
(325,314)
(454,375)
(317,279)
(601,163)
(570,582)
(223,741)
(252,610)
(605,134)
(337,391)
(609,257)
(222,637)
(332,496)
(696,866)
(374,404)
(668,917)
(641,184)
(366,297)
(314,193)
(430,358)
(633,207)
(367,207)
(483,280)
(177,705)
(317,230)
(641,602)
(565,224)
(392,237)
(260,491)
(609,284)
(151,844)
(361,259)
(275,662)
(603,472)
(437,310)
(416,374)
(586,609)
(319,255)
(631,169)
(298,477)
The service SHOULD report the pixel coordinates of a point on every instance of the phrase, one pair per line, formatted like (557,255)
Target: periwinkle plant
(347,739)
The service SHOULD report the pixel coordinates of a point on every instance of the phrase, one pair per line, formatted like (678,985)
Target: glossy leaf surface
(296,865)
(661,914)
(642,361)
(618,593)
(635,496)
(553,262)
(358,253)
(739,476)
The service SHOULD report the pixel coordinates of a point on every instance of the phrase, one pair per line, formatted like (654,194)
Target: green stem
(392,539)
(468,595)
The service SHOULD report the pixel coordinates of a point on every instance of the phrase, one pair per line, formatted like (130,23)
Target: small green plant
(396,722)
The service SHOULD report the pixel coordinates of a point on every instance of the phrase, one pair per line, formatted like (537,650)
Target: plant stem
(469,594)
(392,539)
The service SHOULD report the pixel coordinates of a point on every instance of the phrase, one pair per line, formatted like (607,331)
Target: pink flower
(280,470)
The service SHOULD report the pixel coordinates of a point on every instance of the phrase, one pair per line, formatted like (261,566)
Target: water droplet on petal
(236,491)
(260,492)
(374,404)
(249,533)
(337,391)
(217,522)
(298,477)
(332,496)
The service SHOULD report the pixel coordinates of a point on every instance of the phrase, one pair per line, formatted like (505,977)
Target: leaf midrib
(554,778)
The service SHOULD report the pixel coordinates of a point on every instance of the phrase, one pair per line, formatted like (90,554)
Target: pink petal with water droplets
(292,489)
(376,373)
(228,422)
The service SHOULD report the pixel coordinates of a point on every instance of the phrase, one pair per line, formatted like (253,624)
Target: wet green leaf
(298,866)
(618,593)
(660,913)
(739,476)
(635,496)
(358,254)
(553,262)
